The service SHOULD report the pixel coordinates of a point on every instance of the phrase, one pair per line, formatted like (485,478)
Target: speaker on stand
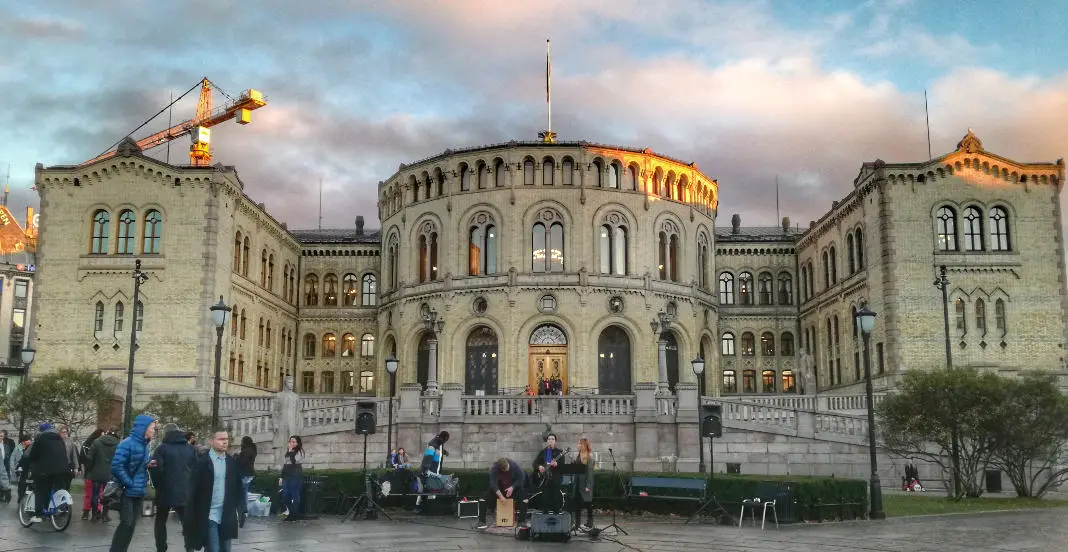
(366,423)
(712,427)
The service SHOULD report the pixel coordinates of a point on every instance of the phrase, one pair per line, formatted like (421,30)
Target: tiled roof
(337,236)
(757,234)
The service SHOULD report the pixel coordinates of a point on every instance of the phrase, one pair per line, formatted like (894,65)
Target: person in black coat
(548,480)
(173,459)
(246,468)
(9,448)
(49,466)
(206,526)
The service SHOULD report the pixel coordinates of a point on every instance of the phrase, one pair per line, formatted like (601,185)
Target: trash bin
(310,491)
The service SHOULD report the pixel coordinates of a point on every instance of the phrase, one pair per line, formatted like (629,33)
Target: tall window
(999,229)
(153,232)
(329,345)
(270,272)
(126,233)
(726,288)
(267,340)
(465,177)
(860,248)
(259,335)
(245,248)
(767,288)
(613,241)
(311,290)
(786,344)
(328,382)
(351,290)
(548,171)
(98,317)
(668,251)
(613,176)
(330,290)
(101,224)
(748,344)
(748,381)
(946,228)
(482,249)
(727,344)
(394,262)
(367,345)
(348,345)
(567,172)
(745,288)
(980,316)
(632,178)
(528,172)
(483,177)
(786,289)
(962,321)
(826,271)
(237,253)
(973,229)
(285,282)
(499,173)
(120,314)
(767,378)
(139,316)
(547,247)
(730,382)
(370,290)
(309,345)
(428,253)
(367,381)
(307,381)
(346,381)
(833,256)
(263,268)
(244,319)
(789,384)
(999,316)
(702,261)
(767,344)
(850,253)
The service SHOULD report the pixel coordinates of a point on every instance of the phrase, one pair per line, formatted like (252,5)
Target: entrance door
(547,361)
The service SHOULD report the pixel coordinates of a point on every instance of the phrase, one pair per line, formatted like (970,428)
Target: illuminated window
(613,249)
(126,233)
(329,345)
(351,285)
(745,288)
(767,377)
(668,251)
(727,344)
(946,227)
(348,345)
(367,381)
(748,381)
(367,345)
(748,344)
(730,382)
(789,385)
(101,225)
(370,290)
(547,244)
(428,253)
(482,248)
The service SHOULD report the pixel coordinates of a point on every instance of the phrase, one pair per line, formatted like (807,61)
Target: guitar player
(548,481)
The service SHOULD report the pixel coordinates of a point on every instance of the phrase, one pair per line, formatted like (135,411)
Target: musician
(506,480)
(549,482)
(582,494)
(431,464)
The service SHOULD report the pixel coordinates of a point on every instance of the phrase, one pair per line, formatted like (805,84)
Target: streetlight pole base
(876,499)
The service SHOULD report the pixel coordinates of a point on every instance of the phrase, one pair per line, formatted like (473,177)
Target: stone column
(661,365)
(646,435)
(432,371)
(686,425)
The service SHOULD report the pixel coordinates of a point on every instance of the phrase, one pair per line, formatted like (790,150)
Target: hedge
(813,498)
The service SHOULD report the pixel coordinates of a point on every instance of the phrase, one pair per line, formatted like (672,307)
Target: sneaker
(85,514)
(36,519)
(584,528)
(481,525)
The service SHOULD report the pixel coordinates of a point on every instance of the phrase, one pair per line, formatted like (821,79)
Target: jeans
(291,495)
(160,524)
(129,511)
(215,544)
(242,506)
(42,486)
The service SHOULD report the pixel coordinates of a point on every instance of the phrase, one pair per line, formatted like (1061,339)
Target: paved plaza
(1021,531)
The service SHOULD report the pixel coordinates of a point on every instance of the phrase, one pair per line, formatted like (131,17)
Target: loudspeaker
(550,527)
(366,417)
(711,420)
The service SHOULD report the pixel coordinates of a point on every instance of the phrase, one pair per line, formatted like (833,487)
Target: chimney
(359,225)
(736,223)
(785,224)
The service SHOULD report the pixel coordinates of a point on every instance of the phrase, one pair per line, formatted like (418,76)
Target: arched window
(480,362)
(597,174)
(726,289)
(482,248)
(394,262)
(311,290)
(120,314)
(999,229)
(851,253)
(730,382)
(973,229)
(789,383)
(702,261)
(499,173)
(348,345)
(786,289)
(101,224)
(126,233)
(244,319)
(614,362)
(748,344)
(680,194)
(980,316)
(270,272)
(309,345)
(613,246)
(367,345)
(804,283)
(330,290)
(786,344)
(668,251)
(547,243)
(259,338)
(426,185)
(548,171)
(370,290)
(811,281)
(98,317)
(768,380)
(464,172)
(632,178)
(483,176)
(292,285)
(153,232)
(745,288)
(999,316)
(567,172)
(767,344)
(428,252)
(766,287)
(528,172)
(329,345)
(267,339)
(139,317)
(826,271)
(285,281)
(946,228)
(859,240)
(245,248)
(263,268)
(351,290)
(237,253)
(726,344)
(613,176)
(962,320)
(833,256)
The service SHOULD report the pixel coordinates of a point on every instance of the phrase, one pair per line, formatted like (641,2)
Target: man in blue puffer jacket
(129,467)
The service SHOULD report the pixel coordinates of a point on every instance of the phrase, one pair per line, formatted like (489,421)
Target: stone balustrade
(241,405)
(812,403)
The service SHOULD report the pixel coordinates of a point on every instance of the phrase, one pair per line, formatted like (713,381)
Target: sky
(750,90)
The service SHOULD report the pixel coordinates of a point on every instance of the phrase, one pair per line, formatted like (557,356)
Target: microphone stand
(623,486)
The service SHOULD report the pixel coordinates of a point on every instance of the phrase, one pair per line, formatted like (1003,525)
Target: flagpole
(927,115)
(548,86)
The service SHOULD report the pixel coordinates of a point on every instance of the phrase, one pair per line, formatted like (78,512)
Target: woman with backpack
(98,471)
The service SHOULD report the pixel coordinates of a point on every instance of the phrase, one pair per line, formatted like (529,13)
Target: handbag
(113,491)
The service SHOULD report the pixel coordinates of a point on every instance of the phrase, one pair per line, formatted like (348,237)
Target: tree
(181,411)
(65,397)
(921,420)
(1031,438)
(24,406)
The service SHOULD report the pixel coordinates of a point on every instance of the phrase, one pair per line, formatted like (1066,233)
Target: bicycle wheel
(26,506)
(61,515)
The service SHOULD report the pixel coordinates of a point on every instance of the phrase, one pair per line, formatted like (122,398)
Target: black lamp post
(942,283)
(391,368)
(866,321)
(138,278)
(698,365)
(27,359)
(218,317)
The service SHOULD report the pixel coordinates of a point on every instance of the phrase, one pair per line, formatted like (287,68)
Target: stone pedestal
(687,435)
(409,430)
(646,428)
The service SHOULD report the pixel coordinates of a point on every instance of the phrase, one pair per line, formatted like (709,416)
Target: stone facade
(16,314)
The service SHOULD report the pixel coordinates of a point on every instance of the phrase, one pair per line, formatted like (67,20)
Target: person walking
(8,449)
(5,475)
(72,457)
(83,458)
(173,463)
(129,468)
(292,477)
(50,465)
(19,467)
(214,491)
(246,470)
(583,487)
(98,471)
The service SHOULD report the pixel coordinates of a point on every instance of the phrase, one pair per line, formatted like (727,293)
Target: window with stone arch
(703,260)
(748,344)
(482,247)
(393,260)
(767,344)
(426,184)
(631,182)
(786,288)
(330,290)
(127,222)
(153,230)
(680,191)
(428,252)
(851,253)
(766,288)
(246,246)
(613,175)
(612,238)
(858,240)
(962,319)
(98,317)
(972,221)
(263,268)
(980,316)
(348,345)
(668,250)
(726,344)
(237,252)
(999,229)
(311,290)
(547,242)
(786,344)
(329,345)
(999,316)
(350,290)
(367,345)
(369,290)
(98,245)
(596,174)
(464,172)
(499,173)
(528,172)
(548,171)
(726,288)
(946,228)
(658,177)
(483,176)
(745,288)
(309,345)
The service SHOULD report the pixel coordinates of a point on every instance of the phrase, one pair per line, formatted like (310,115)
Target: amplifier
(550,527)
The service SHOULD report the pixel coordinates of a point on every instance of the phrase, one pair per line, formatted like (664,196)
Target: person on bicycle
(49,465)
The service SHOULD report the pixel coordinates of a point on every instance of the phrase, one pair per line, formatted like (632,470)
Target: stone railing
(252,426)
(667,406)
(430,406)
(842,424)
(241,405)
(330,416)
(737,413)
(586,406)
(812,403)
(318,401)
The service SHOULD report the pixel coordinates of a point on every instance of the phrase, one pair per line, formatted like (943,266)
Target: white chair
(753,504)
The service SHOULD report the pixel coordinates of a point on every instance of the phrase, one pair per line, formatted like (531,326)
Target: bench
(669,488)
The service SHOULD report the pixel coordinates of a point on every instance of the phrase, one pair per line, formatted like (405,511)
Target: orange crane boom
(199,127)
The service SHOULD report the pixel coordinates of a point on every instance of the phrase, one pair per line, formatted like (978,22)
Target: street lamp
(27,359)
(391,368)
(866,321)
(942,283)
(698,365)
(138,278)
(218,317)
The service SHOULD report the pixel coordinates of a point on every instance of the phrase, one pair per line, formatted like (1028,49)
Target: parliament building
(498,267)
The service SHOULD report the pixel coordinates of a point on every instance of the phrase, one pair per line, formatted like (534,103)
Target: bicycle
(58,510)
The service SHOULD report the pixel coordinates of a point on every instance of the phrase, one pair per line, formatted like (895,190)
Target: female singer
(583,488)
(292,477)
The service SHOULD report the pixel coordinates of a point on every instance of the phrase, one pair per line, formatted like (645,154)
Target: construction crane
(199,127)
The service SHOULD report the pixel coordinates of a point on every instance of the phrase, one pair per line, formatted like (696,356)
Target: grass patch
(897,505)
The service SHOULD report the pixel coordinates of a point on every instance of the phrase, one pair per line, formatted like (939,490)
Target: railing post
(688,434)
(646,430)
(451,403)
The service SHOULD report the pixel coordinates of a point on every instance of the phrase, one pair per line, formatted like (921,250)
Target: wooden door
(547,361)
